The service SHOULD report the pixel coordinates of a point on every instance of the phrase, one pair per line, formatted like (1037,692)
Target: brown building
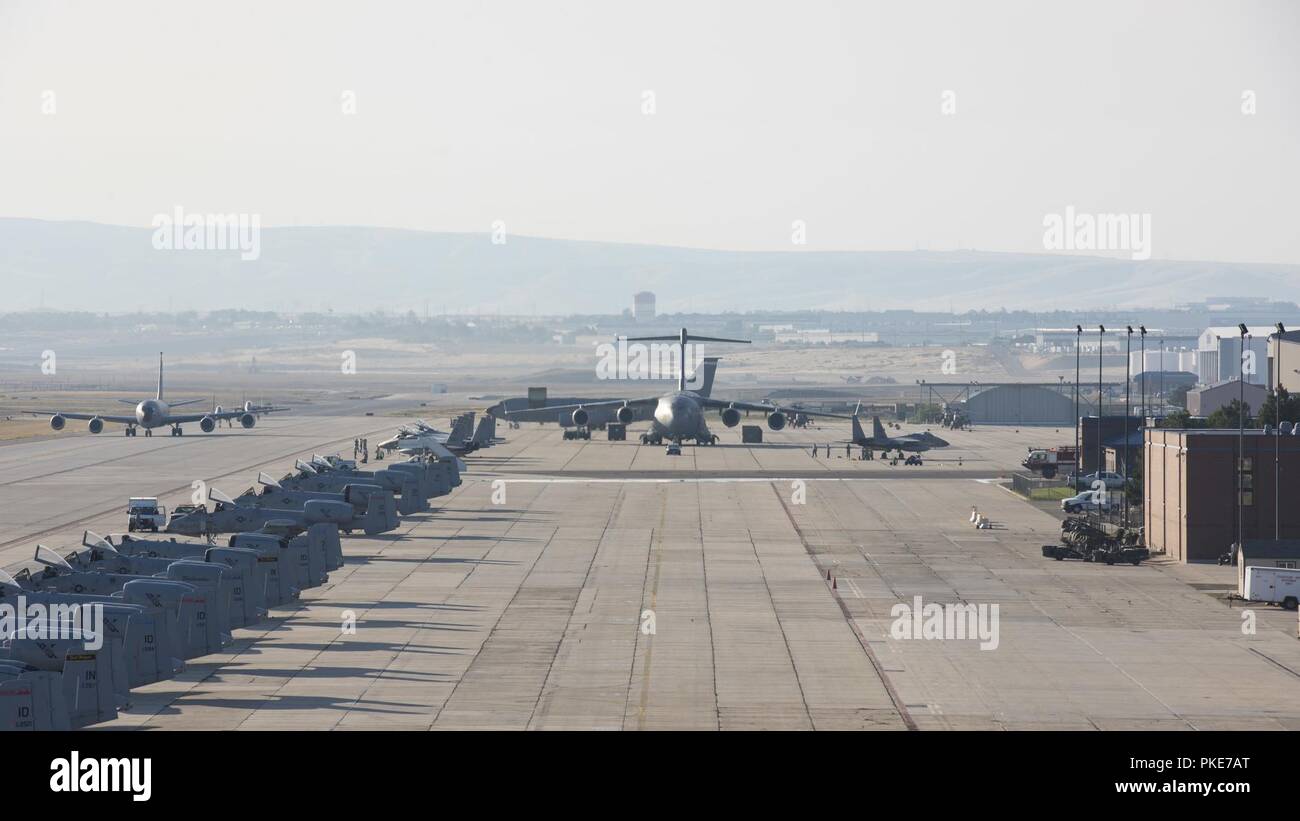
(1189,490)
(1206,400)
(1112,436)
(1284,360)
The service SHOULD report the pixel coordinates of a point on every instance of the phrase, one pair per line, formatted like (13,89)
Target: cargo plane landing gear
(177,431)
(129,430)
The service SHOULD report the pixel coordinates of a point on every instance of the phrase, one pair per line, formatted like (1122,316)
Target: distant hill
(89,266)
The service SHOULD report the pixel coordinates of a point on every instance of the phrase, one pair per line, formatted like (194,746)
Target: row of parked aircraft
(681,415)
(161,600)
(157,412)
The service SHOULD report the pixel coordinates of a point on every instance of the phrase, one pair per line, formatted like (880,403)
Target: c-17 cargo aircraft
(679,415)
(157,413)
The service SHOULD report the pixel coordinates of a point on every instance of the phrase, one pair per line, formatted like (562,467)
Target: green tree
(1178,396)
(1178,419)
(1289,404)
(1229,415)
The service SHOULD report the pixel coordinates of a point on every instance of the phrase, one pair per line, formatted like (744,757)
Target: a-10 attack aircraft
(678,415)
(157,413)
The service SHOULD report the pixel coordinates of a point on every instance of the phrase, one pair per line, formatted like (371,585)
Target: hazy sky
(765,113)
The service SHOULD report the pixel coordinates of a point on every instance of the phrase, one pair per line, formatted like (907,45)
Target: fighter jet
(157,413)
(423,438)
(679,415)
(879,440)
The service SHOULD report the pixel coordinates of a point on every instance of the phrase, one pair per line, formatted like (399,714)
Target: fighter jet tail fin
(461,430)
(877,429)
(858,434)
(485,431)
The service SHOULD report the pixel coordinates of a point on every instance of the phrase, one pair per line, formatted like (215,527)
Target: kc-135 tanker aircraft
(157,413)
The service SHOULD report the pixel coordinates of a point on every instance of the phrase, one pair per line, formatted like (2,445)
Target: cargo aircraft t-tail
(679,415)
(157,413)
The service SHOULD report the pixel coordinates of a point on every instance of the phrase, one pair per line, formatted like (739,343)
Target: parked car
(1088,481)
(1088,502)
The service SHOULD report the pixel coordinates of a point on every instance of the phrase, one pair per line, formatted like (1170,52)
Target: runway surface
(552,590)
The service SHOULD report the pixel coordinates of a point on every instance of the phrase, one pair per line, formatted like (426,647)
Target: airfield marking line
(636,639)
(704,480)
(577,600)
(875,566)
(776,614)
(654,603)
(708,607)
(496,622)
(379,674)
(301,604)
(84,519)
(899,705)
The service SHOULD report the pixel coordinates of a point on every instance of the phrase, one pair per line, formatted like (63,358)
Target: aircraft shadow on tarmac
(404,605)
(433,560)
(277,702)
(237,667)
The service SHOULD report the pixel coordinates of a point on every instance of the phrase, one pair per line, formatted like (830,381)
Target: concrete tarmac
(599,585)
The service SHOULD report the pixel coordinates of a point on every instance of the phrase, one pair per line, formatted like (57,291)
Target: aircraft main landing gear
(148,432)
(177,431)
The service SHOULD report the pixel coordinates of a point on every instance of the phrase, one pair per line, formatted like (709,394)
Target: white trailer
(1276,585)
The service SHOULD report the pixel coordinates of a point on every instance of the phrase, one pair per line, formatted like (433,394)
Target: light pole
(1078,457)
(1161,390)
(1142,329)
(1101,339)
(1277,438)
(1128,380)
(1241,431)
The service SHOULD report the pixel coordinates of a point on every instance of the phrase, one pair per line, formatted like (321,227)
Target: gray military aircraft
(880,440)
(599,411)
(422,437)
(157,413)
(679,415)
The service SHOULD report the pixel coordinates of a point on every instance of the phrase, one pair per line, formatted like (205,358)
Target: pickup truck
(144,513)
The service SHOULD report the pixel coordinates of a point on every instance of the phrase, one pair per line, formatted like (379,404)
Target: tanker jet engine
(157,413)
(681,414)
